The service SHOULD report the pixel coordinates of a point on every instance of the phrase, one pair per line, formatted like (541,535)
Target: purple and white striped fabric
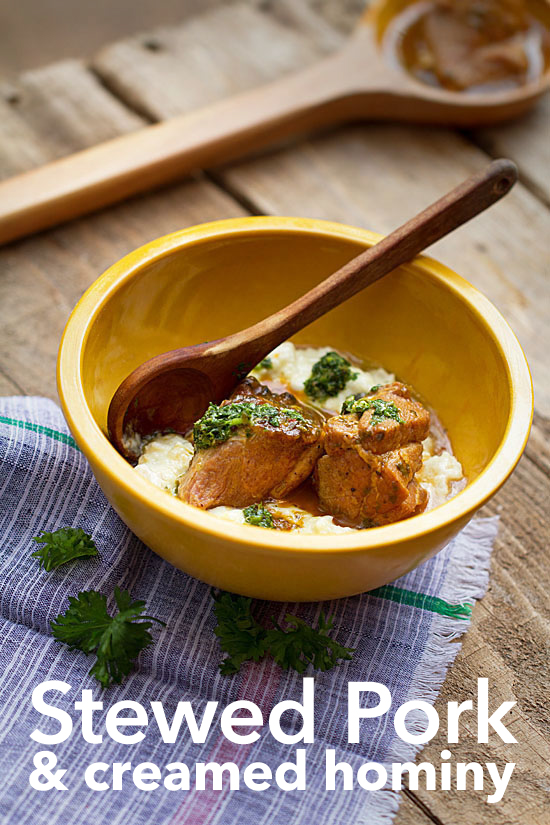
(402,635)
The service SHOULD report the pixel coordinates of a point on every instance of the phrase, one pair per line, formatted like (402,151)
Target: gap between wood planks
(527,179)
(422,807)
(8,385)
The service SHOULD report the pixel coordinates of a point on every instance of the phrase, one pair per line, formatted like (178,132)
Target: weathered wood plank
(36,33)
(61,109)
(509,642)
(538,446)
(311,22)
(208,58)
(45,276)
(411,813)
(342,16)
(8,387)
(51,112)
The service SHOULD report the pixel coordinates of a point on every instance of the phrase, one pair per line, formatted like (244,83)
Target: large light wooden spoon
(172,390)
(357,82)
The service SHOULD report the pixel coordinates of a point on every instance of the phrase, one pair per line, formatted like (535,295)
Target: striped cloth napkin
(402,633)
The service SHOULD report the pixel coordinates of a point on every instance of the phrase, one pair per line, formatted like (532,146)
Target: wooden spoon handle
(461,204)
(173,389)
(107,173)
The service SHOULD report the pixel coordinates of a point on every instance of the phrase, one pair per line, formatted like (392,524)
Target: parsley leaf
(240,635)
(381,409)
(116,640)
(221,422)
(243,638)
(259,515)
(303,644)
(63,545)
(329,375)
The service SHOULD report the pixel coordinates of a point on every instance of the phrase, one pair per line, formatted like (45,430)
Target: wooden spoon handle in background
(104,174)
(350,84)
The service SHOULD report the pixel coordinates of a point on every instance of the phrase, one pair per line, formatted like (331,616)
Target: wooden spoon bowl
(389,91)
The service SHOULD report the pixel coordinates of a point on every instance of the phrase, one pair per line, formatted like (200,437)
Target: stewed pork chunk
(255,445)
(373,450)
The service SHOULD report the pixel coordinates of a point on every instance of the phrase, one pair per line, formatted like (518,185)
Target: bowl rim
(97,448)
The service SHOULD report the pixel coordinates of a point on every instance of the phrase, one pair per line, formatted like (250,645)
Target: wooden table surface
(369,175)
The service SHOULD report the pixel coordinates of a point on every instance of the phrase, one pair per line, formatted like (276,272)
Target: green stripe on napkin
(39,428)
(423,601)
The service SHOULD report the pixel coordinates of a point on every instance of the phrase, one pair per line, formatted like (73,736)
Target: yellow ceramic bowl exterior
(423,322)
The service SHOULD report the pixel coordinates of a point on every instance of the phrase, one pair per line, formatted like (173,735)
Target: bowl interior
(417,323)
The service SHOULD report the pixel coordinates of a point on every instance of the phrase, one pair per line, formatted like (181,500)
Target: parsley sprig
(329,375)
(63,545)
(301,644)
(116,640)
(240,635)
(259,515)
(381,409)
(221,422)
(244,639)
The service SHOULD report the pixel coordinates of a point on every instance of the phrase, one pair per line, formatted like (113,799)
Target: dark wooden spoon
(172,390)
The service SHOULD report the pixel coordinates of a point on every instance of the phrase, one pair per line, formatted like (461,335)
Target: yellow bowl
(423,322)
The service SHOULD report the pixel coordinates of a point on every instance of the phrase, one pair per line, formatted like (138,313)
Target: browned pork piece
(254,446)
(373,451)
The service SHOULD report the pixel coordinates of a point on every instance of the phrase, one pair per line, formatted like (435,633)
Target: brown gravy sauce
(305,498)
